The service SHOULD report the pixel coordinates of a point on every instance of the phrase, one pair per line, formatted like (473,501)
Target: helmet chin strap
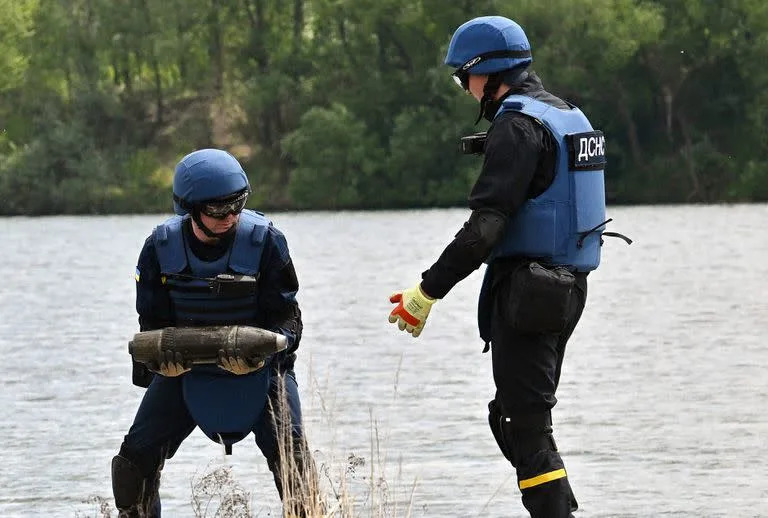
(208,232)
(490,88)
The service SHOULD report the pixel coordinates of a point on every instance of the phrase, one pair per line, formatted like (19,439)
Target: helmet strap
(207,231)
(490,88)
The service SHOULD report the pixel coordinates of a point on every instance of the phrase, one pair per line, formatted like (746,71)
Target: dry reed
(217,494)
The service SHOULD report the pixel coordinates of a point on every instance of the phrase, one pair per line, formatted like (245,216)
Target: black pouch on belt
(538,298)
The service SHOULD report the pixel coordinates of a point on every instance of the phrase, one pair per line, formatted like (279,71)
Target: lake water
(663,403)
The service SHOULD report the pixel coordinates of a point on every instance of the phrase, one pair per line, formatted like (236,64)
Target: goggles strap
(494,54)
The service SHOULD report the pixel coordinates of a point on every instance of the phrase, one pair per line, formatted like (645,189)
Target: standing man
(215,264)
(538,212)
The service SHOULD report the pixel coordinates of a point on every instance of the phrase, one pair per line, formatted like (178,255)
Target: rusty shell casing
(202,344)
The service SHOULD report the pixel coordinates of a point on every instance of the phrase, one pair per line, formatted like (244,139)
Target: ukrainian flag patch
(138,274)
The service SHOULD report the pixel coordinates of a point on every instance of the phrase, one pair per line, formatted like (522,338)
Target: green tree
(334,158)
(346,103)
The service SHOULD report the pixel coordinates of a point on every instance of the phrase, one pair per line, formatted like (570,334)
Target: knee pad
(495,420)
(135,494)
(520,436)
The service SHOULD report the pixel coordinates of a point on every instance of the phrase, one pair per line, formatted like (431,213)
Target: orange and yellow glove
(412,309)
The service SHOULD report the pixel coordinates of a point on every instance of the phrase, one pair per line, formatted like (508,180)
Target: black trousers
(526,371)
(162,423)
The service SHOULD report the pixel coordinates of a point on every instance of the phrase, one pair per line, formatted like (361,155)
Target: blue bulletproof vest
(225,406)
(562,226)
(193,302)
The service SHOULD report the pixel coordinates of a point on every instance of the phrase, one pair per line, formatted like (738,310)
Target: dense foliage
(346,103)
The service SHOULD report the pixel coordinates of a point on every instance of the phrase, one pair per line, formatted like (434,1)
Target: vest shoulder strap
(247,248)
(249,242)
(524,104)
(169,244)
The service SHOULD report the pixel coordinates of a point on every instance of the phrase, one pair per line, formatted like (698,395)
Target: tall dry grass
(329,489)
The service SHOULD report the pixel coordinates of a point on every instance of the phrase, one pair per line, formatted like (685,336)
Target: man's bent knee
(520,436)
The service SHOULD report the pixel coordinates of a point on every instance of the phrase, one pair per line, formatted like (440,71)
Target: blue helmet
(204,175)
(488,44)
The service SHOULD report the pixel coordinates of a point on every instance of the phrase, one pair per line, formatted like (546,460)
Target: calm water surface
(662,405)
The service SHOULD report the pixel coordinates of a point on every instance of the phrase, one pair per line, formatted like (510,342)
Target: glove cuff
(429,300)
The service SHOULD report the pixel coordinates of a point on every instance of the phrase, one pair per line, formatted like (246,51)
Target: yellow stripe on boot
(542,479)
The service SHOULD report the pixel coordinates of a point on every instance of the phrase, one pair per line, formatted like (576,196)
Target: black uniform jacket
(519,163)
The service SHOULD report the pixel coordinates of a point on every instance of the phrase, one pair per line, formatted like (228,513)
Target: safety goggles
(222,209)
(461,74)
(461,78)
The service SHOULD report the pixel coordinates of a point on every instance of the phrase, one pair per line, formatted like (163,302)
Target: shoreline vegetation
(346,105)
(272,210)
